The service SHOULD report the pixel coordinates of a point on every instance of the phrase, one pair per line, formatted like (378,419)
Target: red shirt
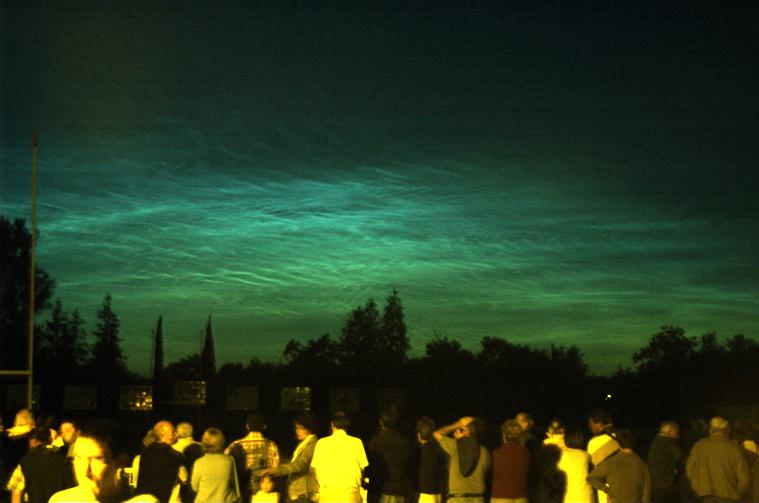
(511,462)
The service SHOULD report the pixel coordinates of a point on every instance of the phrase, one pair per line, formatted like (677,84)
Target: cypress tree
(208,356)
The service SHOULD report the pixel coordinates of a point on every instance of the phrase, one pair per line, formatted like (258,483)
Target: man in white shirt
(338,464)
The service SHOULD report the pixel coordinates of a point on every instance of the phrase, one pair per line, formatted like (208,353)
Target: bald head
(164,432)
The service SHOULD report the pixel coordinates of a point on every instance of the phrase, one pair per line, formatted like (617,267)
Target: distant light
(608,396)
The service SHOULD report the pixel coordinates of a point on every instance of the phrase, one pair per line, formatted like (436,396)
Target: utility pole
(28,372)
(32,270)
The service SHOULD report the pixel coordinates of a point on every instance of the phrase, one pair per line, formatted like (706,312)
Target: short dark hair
(256,422)
(425,427)
(511,430)
(599,416)
(340,420)
(625,438)
(308,420)
(40,434)
(574,438)
(389,417)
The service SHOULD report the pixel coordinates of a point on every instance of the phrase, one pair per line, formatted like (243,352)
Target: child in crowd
(266,494)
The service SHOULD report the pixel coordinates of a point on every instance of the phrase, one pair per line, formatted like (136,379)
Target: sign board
(345,399)
(80,397)
(242,398)
(296,398)
(139,398)
(190,393)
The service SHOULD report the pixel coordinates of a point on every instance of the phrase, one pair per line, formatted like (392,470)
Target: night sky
(536,173)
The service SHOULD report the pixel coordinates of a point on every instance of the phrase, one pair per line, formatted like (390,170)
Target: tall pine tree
(394,338)
(208,355)
(107,357)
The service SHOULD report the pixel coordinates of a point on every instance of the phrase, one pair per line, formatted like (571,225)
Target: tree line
(674,373)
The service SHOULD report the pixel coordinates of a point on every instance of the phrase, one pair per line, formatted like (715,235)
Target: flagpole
(32,255)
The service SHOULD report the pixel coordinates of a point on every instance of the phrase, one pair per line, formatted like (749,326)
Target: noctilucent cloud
(542,175)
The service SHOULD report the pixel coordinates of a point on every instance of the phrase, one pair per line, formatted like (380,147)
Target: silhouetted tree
(62,349)
(358,345)
(208,356)
(394,338)
(108,362)
(159,385)
(667,348)
(185,369)
(316,360)
(15,245)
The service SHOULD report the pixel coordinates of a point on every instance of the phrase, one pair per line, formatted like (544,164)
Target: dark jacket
(389,453)
(43,468)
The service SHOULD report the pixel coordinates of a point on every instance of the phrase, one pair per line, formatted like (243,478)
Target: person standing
(301,484)
(574,462)
(161,468)
(469,460)
(338,463)
(432,463)
(214,476)
(511,465)
(623,476)
(253,454)
(389,454)
(41,470)
(665,463)
(717,469)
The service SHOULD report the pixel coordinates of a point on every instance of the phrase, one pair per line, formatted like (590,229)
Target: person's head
(555,428)
(267,484)
(305,424)
(389,418)
(24,418)
(39,436)
(184,430)
(525,421)
(625,438)
(472,429)
(255,423)
(340,420)
(669,429)
(574,438)
(511,430)
(598,421)
(213,441)
(719,426)
(68,431)
(425,428)
(92,456)
(164,432)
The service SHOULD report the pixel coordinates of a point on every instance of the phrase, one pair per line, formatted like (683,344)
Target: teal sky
(541,175)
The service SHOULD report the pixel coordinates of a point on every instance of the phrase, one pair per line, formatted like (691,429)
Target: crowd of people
(451,463)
